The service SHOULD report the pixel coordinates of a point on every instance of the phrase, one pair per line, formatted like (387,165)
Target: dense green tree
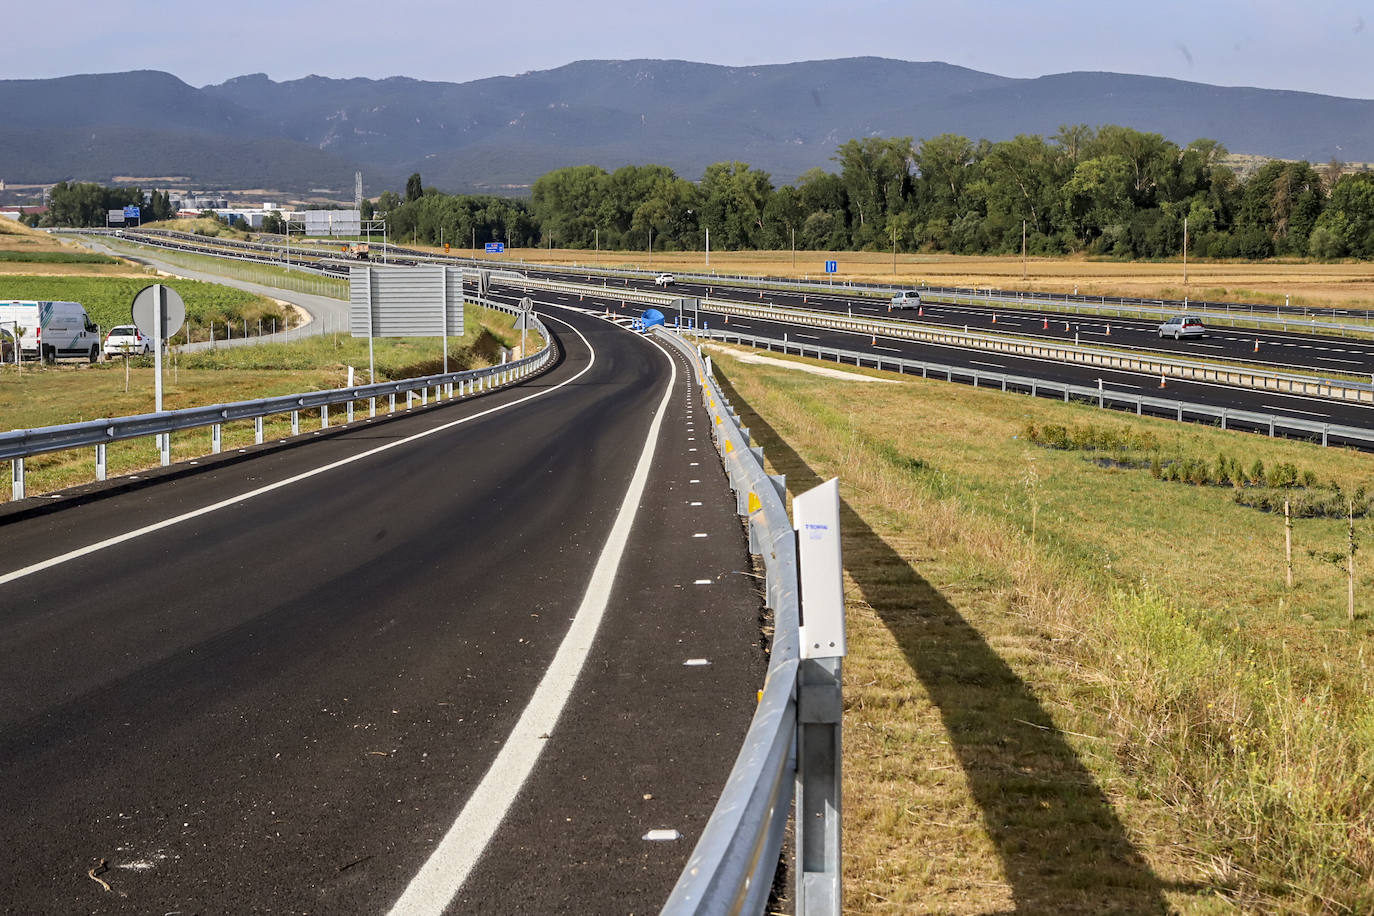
(414,188)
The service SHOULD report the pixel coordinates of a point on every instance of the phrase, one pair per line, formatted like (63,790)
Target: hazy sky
(1318,46)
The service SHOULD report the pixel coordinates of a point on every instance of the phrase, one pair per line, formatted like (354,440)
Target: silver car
(1182,326)
(906,299)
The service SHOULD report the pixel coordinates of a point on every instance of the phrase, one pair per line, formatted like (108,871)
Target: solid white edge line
(436,884)
(305,475)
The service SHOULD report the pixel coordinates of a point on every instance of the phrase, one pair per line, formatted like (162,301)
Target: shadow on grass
(1062,848)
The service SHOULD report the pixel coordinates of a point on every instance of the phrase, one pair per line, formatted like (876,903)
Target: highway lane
(1295,406)
(282,705)
(1283,350)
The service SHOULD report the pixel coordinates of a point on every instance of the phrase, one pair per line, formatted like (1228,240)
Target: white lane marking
(977,362)
(439,879)
(1332,359)
(889,349)
(1295,410)
(702,582)
(699,534)
(304,475)
(807,336)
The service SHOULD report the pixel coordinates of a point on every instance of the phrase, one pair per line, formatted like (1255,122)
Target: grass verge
(68,393)
(1072,686)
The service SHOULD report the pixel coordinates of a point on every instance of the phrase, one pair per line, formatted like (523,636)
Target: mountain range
(501,133)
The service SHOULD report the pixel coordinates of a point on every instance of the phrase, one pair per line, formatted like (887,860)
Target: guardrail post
(165,448)
(257,430)
(392,406)
(324,416)
(17,478)
(372,406)
(424,396)
(295,422)
(216,438)
(349,412)
(1325,428)
(100,461)
(410,398)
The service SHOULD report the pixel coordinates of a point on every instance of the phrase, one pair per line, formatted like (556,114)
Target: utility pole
(1185,252)
(651,247)
(894,249)
(708,246)
(794,246)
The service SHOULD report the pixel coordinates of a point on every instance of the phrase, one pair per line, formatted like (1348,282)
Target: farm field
(1076,682)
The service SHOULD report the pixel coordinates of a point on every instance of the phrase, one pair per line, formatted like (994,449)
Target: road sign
(144,309)
(832,266)
(496,247)
(131,212)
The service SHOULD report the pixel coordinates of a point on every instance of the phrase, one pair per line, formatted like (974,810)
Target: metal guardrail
(1229,418)
(731,869)
(20,444)
(1235,376)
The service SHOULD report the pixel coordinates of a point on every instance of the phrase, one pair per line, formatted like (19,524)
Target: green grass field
(108,299)
(1075,686)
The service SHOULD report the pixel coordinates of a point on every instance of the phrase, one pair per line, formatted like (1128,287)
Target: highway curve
(282,705)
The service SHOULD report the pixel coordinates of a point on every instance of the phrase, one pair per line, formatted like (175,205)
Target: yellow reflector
(754,504)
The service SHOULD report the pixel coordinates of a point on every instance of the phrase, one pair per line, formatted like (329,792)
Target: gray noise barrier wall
(420,301)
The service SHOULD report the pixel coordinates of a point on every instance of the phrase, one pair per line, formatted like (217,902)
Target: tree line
(1110,191)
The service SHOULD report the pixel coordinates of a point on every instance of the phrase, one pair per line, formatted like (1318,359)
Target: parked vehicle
(127,340)
(1182,326)
(906,299)
(49,330)
(665,280)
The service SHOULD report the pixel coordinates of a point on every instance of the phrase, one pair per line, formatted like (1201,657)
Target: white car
(1182,326)
(906,299)
(127,339)
(664,280)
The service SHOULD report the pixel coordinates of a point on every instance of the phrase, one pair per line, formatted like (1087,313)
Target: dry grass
(1128,713)
(1343,285)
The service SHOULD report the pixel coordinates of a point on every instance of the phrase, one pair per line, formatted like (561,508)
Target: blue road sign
(832,266)
(131,213)
(496,247)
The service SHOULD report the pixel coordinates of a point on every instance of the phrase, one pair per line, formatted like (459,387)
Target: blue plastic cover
(652,317)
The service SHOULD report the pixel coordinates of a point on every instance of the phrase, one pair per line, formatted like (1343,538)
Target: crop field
(1078,681)
(1339,285)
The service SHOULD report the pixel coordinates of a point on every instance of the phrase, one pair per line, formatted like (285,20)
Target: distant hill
(500,134)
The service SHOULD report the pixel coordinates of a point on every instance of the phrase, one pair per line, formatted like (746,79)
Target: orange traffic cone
(874,342)
(727,319)
(1161,381)
(1047,325)
(994,319)
(1109,330)
(1256,344)
(1066,327)
(920,311)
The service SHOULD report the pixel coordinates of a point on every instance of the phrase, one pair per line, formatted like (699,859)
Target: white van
(49,330)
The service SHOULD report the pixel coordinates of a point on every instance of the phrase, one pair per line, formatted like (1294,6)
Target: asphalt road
(282,705)
(1280,350)
(1299,407)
